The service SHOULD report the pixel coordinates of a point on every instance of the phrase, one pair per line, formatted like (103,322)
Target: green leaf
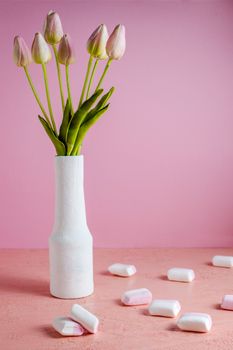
(105,99)
(85,127)
(77,120)
(60,147)
(99,105)
(65,122)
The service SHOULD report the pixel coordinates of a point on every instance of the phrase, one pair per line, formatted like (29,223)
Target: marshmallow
(180,274)
(195,322)
(136,297)
(85,318)
(122,270)
(227,302)
(164,307)
(67,327)
(222,261)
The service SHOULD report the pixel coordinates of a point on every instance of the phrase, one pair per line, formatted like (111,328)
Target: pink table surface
(27,309)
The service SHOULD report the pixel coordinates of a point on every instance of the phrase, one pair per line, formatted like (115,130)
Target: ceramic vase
(70,244)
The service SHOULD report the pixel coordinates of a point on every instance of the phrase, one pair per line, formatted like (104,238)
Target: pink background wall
(159,165)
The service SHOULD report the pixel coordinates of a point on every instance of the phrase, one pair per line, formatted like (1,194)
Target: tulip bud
(53,31)
(21,53)
(40,49)
(116,43)
(66,53)
(96,44)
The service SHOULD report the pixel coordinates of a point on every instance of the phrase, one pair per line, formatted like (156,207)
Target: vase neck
(70,212)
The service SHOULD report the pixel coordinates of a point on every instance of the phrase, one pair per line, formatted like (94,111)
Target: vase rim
(78,156)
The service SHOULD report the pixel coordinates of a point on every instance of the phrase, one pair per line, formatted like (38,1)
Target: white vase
(70,244)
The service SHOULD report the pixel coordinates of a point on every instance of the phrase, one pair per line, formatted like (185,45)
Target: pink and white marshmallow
(67,327)
(122,270)
(85,318)
(139,296)
(227,302)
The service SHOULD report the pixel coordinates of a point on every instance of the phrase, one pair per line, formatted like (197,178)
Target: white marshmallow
(136,297)
(164,307)
(67,327)
(195,322)
(123,270)
(85,318)
(222,261)
(180,274)
(227,302)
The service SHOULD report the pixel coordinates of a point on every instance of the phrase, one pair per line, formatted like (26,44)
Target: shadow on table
(173,328)
(119,302)
(48,330)
(24,285)
(163,278)
(105,273)
(217,306)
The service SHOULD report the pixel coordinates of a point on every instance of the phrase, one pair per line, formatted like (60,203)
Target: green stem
(78,151)
(48,97)
(104,73)
(36,95)
(68,88)
(91,78)
(85,81)
(59,77)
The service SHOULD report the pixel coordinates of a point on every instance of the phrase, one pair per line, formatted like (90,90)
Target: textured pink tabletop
(27,309)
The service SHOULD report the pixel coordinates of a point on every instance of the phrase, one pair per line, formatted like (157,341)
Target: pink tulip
(40,50)
(116,43)
(53,31)
(21,53)
(96,44)
(66,53)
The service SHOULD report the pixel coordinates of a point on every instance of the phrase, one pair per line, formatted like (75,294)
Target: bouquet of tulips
(76,121)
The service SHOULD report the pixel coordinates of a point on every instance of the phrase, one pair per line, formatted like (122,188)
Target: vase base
(74,296)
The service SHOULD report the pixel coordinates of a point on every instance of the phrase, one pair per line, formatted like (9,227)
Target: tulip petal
(40,50)
(21,53)
(96,44)
(66,54)
(116,43)
(53,31)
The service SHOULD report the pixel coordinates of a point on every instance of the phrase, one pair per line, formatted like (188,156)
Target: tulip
(66,56)
(40,50)
(22,57)
(41,54)
(21,53)
(116,43)
(96,44)
(53,31)
(115,49)
(66,53)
